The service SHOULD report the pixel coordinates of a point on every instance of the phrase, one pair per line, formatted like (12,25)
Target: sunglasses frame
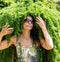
(27,20)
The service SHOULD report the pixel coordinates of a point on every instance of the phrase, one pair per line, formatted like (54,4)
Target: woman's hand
(40,22)
(6,30)
(46,43)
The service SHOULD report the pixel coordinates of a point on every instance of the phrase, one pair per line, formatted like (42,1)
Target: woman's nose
(29,22)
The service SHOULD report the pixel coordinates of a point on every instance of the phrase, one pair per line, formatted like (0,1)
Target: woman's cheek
(27,26)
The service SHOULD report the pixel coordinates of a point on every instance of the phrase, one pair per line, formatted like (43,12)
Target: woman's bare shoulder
(13,39)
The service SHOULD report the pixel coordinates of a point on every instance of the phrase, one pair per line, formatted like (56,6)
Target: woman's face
(28,24)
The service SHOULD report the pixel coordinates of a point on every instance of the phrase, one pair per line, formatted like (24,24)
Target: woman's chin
(29,28)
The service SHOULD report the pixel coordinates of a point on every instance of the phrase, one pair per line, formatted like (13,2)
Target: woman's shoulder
(13,39)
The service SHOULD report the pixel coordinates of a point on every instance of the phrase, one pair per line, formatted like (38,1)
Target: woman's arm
(46,43)
(3,44)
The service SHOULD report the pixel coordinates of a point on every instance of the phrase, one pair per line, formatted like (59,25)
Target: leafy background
(13,12)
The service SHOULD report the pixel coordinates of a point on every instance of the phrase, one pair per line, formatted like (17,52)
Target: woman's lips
(29,26)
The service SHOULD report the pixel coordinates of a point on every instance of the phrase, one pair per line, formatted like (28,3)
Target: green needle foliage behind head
(15,15)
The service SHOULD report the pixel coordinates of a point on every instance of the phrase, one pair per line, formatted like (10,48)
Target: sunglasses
(28,20)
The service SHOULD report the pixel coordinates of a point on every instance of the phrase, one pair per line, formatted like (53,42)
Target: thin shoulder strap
(17,39)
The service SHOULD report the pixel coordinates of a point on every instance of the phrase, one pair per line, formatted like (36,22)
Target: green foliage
(15,15)
(58,5)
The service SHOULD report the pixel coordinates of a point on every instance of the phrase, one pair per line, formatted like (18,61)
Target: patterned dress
(26,54)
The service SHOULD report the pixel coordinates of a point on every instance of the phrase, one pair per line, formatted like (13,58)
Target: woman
(28,42)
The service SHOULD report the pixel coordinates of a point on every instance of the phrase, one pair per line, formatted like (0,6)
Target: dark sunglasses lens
(28,20)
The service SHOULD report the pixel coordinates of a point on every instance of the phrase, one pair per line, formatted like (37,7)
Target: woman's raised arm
(4,44)
(6,30)
(47,42)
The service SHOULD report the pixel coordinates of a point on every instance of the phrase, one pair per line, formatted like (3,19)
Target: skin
(46,43)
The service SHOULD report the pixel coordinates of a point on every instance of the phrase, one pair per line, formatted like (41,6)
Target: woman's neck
(26,34)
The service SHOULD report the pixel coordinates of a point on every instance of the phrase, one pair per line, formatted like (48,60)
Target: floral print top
(26,54)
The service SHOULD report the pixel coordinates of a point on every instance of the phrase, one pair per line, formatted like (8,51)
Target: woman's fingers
(39,18)
(10,31)
(7,30)
(40,22)
(10,28)
(7,26)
